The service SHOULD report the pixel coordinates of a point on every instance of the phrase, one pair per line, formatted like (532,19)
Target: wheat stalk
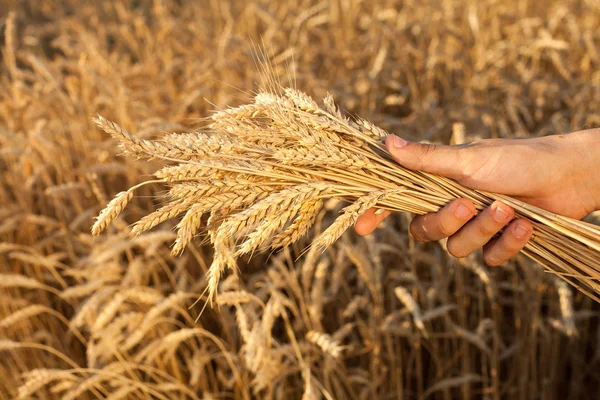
(325,342)
(263,194)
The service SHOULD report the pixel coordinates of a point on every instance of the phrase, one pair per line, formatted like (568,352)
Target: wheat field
(377,317)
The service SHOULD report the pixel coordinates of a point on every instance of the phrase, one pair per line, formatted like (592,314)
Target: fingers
(424,228)
(465,234)
(435,159)
(479,231)
(366,223)
(444,223)
(513,239)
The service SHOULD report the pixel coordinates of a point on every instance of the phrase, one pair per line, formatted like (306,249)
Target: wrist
(587,153)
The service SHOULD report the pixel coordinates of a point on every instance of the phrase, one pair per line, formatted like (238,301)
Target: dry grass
(108,317)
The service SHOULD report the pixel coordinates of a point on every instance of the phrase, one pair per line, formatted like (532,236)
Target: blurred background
(112,317)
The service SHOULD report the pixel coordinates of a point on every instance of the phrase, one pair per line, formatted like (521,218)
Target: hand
(557,173)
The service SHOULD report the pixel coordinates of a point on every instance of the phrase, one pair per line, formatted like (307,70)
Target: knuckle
(442,228)
(486,230)
(454,249)
(511,246)
(463,160)
(512,250)
(428,150)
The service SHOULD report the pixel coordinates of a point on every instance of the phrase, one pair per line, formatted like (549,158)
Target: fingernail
(379,211)
(500,215)
(462,212)
(520,232)
(398,142)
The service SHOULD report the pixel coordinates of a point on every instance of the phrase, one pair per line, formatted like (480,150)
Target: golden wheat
(325,156)
(468,69)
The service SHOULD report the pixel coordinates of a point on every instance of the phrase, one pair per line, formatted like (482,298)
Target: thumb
(435,159)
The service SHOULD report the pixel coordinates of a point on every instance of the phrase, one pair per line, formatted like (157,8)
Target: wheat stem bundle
(261,172)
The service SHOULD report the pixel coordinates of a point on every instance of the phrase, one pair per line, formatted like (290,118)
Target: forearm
(585,146)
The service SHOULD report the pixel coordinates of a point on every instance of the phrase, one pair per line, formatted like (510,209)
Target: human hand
(557,173)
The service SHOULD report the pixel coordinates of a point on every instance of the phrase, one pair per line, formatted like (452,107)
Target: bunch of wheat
(261,172)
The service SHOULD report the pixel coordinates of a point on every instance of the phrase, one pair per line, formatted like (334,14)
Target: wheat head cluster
(271,179)
(262,171)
